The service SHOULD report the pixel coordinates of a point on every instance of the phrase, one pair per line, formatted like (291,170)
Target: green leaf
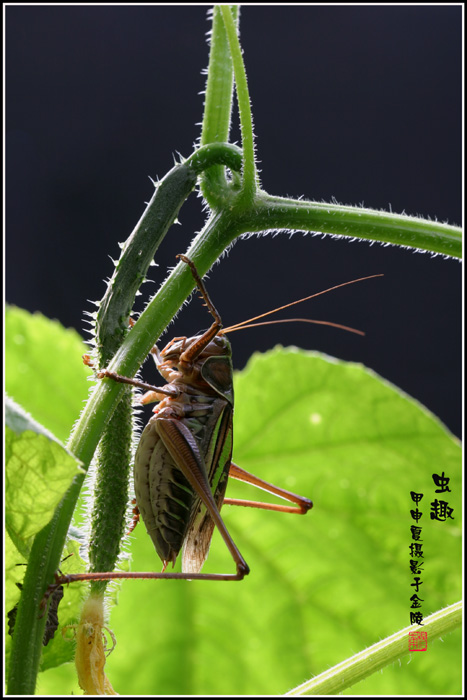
(322,586)
(38,471)
(14,572)
(41,372)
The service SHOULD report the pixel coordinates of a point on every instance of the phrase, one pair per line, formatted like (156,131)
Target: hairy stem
(250,175)
(381,654)
(370,224)
(218,102)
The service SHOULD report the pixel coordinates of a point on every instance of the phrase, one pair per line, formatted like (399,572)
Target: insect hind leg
(303,505)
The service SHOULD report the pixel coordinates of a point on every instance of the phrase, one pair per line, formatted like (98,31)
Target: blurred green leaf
(14,572)
(41,371)
(323,586)
(38,471)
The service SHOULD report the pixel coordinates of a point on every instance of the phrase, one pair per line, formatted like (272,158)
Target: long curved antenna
(237,326)
(291,320)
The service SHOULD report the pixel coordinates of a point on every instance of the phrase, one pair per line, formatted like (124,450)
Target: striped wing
(218,454)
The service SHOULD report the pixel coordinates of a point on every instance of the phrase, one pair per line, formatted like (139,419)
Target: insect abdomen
(163,495)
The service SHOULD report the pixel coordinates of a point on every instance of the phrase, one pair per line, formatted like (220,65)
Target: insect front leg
(150,388)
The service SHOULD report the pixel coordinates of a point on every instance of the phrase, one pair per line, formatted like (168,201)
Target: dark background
(358,103)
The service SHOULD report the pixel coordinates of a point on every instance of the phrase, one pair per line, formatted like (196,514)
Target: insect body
(183,460)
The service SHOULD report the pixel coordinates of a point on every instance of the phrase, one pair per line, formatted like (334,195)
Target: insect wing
(201,526)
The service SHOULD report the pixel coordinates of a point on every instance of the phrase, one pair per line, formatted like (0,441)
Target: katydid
(184,457)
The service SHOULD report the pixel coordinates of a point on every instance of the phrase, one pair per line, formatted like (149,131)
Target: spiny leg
(184,450)
(196,348)
(303,504)
(135,382)
(179,442)
(236,472)
(202,289)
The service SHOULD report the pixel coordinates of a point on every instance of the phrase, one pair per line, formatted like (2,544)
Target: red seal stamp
(418,641)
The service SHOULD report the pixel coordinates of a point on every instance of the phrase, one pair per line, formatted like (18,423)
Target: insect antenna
(248,323)
(292,320)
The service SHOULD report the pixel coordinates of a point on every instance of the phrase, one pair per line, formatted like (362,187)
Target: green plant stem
(269,213)
(218,103)
(250,176)
(141,246)
(110,492)
(381,654)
